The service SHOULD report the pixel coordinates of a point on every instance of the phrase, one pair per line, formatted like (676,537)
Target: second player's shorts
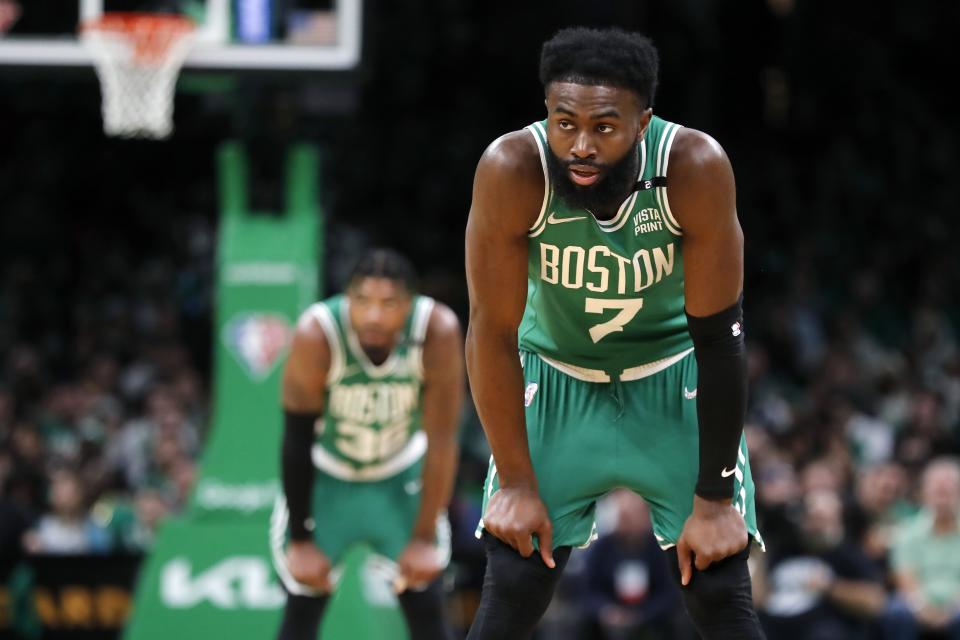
(588,437)
(380,514)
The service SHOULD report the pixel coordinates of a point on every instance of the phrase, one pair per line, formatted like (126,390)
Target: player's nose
(583,146)
(374,315)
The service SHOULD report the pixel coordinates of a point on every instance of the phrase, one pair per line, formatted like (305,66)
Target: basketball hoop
(138,57)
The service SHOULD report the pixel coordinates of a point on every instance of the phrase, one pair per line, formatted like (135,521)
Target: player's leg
(426,612)
(332,501)
(568,433)
(516,591)
(390,523)
(301,617)
(662,436)
(720,599)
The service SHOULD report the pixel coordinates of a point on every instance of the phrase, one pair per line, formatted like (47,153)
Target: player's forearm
(496,381)
(297,472)
(721,399)
(439,471)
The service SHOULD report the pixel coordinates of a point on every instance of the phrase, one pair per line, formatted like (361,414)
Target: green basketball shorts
(380,514)
(588,437)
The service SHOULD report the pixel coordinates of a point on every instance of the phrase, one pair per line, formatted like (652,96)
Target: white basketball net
(138,58)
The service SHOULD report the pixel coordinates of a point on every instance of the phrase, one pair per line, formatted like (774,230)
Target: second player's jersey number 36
(601,270)
(366,444)
(372,421)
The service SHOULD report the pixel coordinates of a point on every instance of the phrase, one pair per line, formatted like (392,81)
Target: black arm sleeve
(721,397)
(297,471)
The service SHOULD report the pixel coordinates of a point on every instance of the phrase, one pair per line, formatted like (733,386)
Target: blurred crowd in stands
(103,407)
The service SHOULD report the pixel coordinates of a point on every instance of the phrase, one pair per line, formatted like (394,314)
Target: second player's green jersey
(371,428)
(608,294)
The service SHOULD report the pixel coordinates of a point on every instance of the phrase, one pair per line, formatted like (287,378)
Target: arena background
(121,299)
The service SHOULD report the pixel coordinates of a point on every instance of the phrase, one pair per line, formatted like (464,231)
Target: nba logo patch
(258,341)
(529,393)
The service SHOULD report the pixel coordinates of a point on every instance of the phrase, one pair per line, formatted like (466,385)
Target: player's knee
(524,582)
(425,613)
(722,586)
(426,602)
(301,617)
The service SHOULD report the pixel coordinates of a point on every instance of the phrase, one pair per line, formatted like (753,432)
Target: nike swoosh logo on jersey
(689,395)
(726,473)
(553,219)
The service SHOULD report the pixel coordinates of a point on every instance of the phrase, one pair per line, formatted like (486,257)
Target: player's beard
(605,196)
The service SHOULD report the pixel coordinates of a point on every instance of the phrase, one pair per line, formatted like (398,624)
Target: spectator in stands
(68,527)
(926,559)
(819,585)
(880,504)
(628,589)
(13,518)
(151,510)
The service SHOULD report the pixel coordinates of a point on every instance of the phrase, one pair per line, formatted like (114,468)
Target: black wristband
(718,342)
(297,471)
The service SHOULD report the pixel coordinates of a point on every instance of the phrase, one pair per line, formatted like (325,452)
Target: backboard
(255,35)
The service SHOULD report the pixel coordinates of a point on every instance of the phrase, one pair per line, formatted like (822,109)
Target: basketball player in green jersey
(603,244)
(372,393)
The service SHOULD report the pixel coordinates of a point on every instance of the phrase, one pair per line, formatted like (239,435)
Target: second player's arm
(507,196)
(442,401)
(304,384)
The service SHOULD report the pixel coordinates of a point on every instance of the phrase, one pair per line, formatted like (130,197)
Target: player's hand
(419,563)
(515,515)
(714,531)
(308,565)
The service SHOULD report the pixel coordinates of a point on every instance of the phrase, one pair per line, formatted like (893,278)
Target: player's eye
(604,128)
(566,125)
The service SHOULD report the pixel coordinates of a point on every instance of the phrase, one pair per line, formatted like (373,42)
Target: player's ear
(645,118)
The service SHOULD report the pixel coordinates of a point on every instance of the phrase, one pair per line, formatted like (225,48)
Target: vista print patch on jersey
(258,341)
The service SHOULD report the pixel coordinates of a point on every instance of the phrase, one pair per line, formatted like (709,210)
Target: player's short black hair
(610,57)
(385,263)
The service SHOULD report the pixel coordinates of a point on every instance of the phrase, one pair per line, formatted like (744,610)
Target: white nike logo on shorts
(726,473)
(689,395)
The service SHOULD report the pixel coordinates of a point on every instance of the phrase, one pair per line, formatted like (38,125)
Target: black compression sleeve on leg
(426,613)
(721,396)
(297,468)
(301,617)
(516,591)
(720,598)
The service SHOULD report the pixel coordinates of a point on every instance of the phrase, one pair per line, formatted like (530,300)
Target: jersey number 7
(629,307)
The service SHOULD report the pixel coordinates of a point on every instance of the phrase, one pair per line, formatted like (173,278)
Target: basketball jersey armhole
(325,318)
(418,333)
(662,163)
(537,130)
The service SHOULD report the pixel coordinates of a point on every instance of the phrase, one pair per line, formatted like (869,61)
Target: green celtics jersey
(372,413)
(608,294)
